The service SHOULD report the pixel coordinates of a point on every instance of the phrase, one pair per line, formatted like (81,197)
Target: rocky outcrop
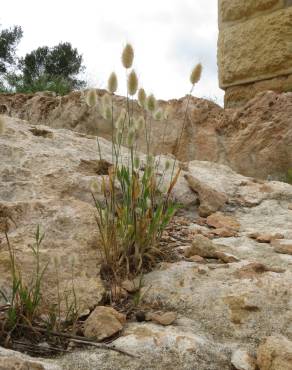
(254,140)
(207,312)
(254,45)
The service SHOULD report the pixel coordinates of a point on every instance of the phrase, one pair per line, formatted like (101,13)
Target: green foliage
(43,69)
(43,83)
(44,65)
(9,39)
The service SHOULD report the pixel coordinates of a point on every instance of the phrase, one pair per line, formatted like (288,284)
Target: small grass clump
(27,311)
(25,298)
(137,205)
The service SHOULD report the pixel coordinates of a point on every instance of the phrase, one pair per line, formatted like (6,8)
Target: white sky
(169,37)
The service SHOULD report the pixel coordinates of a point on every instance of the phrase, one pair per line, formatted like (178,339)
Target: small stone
(225,232)
(103,322)
(164,319)
(201,246)
(282,246)
(202,270)
(17,363)
(226,257)
(275,353)
(290,206)
(241,360)
(267,238)
(219,220)
(130,286)
(197,259)
(140,316)
(211,200)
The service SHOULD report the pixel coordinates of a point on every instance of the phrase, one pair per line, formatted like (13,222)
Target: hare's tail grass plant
(135,210)
(25,299)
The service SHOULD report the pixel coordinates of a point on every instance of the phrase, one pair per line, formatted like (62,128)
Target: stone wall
(254,48)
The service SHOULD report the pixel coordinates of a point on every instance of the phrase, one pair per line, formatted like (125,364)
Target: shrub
(136,209)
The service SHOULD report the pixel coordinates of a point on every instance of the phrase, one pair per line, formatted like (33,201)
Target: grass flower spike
(132,83)
(91,98)
(196,74)
(142,97)
(128,56)
(112,83)
(151,103)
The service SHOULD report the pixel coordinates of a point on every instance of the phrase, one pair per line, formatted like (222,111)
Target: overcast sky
(169,37)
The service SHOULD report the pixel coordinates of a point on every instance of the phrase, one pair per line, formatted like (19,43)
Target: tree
(59,65)
(9,39)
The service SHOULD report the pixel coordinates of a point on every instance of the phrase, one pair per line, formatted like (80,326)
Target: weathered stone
(267,238)
(242,360)
(12,360)
(103,322)
(164,319)
(234,10)
(210,199)
(219,220)
(282,246)
(275,353)
(238,50)
(238,96)
(201,246)
(130,286)
(244,139)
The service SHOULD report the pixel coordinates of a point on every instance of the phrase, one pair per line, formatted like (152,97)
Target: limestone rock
(242,360)
(219,220)
(210,199)
(267,238)
(202,247)
(242,138)
(275,353)
(12,360)
(283,246)
(103,322)
(237,50)
(164,319)
(233,10)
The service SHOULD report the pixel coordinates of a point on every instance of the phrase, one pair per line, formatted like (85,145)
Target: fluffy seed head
(158,115)
(106,100)
(196,74)
(151,103)
(142,97)
(166,112)
(112,83)
(121,119)
(140,123)
(136,162)
(91,98)
(128,56)
(107,113)
(131,137)
(2,125)
(132,83)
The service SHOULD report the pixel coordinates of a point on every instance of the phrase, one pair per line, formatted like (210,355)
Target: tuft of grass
(25,298)
(136,209)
